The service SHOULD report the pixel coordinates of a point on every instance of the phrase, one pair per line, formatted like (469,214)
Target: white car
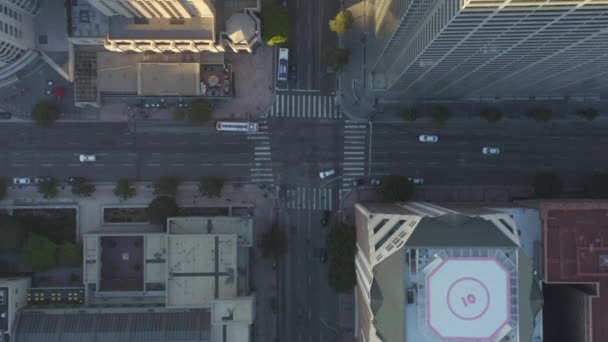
(428,138)
(417,181)
(87,158)
(21,181)
(490,150)
(326,174)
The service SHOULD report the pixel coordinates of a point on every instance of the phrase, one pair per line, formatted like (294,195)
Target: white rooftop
(468,298)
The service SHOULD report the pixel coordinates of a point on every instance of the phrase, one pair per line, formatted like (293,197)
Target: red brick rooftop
(576,236)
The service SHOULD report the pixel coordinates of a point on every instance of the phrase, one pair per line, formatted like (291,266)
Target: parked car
(39,180)
(490,150)
(87,158)
(21,181)
(327,173)
(323,255)
(417,181)
(428,138)
(375,181)
(74,180)
(325,218)
(5,115)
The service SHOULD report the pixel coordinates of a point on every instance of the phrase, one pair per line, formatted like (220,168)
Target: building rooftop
(576,251)
(170,79)
(87,21)
(197,28)
(241,226)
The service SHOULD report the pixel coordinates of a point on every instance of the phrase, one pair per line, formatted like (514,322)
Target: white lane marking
(153,164)
(236,164)
(178,164)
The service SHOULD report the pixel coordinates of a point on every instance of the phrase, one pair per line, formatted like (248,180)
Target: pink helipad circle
(468,298)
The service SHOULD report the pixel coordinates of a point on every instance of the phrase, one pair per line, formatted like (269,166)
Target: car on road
(323,255)
(327,173)
(21,181)
(87,158)
(292,72)
(325,218)
(39,180)
(5,115)
(375,181)
(358,182)
(417,181)
(74,180)
(490,150)
(428,138)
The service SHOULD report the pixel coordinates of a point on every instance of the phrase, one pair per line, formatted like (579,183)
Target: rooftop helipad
(468,298)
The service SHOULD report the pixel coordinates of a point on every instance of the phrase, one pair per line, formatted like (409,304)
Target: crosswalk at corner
(261,170)
(304,106)
(355,152)
(309,198)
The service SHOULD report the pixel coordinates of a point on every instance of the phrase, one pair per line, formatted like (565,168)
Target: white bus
(236,126)
(283,64)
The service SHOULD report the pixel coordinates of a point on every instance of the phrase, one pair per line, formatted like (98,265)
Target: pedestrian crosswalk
(309,198)
(304,106)
(261,170)
(355,152)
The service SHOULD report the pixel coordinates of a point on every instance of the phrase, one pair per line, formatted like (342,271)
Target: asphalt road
(29,151)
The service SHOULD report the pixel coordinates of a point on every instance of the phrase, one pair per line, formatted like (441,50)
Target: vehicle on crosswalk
(428,138)
(236,126)
(327,173)
(417,181)
(375,181)
(358,182)
(490,150)
(21,181)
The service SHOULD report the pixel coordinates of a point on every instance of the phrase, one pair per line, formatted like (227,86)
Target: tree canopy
(337,58)
(275,24)
(588,113)
(540,114)
(396,188)
(13,234)
(161,208)
(491,114)
(46,112)
(48,188)
(69,254)
(340,243)
(166,186)
(3,187)
(410,114)
(211,186)
(125,189)
(596,185)
(547,185)
(39,253)
(199,112)
(273,242)
(441,115)
(342,22)
(82,188)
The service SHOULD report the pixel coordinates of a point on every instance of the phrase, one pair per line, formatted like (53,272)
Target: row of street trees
(440,114)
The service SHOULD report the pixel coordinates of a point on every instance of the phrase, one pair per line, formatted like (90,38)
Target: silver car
(428,138)
(417,181)
(21,181)
(326,174)
(87,158)
(490,150)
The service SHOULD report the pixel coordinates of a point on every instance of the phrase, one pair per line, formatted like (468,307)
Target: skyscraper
(487,48)
(17,36)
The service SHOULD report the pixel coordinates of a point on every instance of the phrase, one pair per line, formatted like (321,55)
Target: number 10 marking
(469,299)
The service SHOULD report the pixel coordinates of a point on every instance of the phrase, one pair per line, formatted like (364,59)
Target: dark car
(325,218)
(292,72)
(358,182)
(323,255)
(5,115)
(74,180)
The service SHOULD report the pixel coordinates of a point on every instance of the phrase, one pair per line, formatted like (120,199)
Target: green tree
(596,185)
(547,185)
(166,186)
(199,112)
(441,115)
(3,187)
(211,186)
(342,22)
(337,58)
(491,114)
(340,243)
(396,188)
(273,242)
(540,114)
(13,234)
(69,254)
(161,208)
(275,24)
(125,189)
(46,112)
(410,114)
(39,253)
(81,187)
(179,113)
(48,188)
(588,113)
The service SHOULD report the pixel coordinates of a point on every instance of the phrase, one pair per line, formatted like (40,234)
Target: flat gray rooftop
(161,28)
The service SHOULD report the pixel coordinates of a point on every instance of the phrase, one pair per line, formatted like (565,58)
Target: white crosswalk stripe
(308,198)
(355,152)
(261,170)
(304,106)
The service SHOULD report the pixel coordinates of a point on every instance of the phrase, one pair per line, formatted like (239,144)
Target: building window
(388,235)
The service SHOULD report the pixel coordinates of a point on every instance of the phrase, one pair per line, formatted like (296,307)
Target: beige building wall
(155,8)
(17,35)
